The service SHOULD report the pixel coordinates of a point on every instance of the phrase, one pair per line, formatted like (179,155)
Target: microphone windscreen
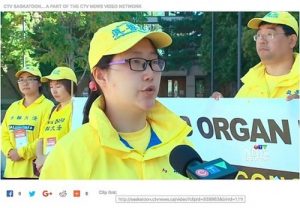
(181,156)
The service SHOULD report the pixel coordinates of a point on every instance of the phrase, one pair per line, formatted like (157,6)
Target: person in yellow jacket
(22,124)
(278,73)
(63,85)
(129,134)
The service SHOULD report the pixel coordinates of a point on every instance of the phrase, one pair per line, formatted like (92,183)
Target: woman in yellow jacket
(63,85)
(22,125)
(129,134)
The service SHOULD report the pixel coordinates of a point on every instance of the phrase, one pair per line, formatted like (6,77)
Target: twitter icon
(31,193)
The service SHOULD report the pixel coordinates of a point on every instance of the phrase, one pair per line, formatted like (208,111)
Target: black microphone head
(181,156)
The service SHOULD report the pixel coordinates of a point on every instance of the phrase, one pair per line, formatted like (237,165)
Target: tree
(62,38)
(15,40)
(53,38)
(192,44)
(225,46)
(185,30)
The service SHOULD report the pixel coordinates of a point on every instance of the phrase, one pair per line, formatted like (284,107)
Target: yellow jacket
(29,119)
(255,85)
(95,150)
(58,125)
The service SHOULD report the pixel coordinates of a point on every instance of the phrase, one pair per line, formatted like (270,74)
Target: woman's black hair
(40,87)
(102,64)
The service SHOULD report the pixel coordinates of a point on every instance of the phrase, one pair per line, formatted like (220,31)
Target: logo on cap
(272,15)
(125,29)
(56,71)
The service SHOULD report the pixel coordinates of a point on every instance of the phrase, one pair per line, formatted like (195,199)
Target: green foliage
(185,31)
(15,40)
(225,45)
(62,38)
(53,38)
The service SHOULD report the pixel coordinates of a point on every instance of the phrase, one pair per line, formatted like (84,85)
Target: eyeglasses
(29,79)
(140,64)
(268,36)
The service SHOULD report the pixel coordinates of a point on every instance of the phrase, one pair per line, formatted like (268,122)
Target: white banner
(262,133)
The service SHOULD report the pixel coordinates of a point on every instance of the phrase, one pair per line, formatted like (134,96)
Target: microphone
(186,161)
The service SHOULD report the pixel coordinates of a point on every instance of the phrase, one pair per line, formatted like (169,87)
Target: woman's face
(132,90)
(59,92)
(28,84)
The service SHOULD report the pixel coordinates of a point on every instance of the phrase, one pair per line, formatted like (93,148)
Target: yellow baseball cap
(283,18)
(61,73)
(120,36)
(30,69)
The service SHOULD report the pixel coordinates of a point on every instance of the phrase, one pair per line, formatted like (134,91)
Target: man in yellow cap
(22,124)
(129,134)
(277,75)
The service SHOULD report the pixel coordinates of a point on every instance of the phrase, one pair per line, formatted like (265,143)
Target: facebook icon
(9,193)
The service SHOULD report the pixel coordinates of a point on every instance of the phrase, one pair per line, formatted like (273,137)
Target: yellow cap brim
(54,77)
(254,23)
(159,40)
(44,79)
(28,71)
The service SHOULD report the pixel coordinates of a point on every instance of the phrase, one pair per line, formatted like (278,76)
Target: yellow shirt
(20,129)
(256,83)
(273,81)
(138,140)
(95,150)
(58,125)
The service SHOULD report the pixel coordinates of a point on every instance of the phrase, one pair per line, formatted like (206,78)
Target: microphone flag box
(215,169)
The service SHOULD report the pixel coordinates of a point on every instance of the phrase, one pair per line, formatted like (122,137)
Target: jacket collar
(258,73)
(37,101)
(163,134)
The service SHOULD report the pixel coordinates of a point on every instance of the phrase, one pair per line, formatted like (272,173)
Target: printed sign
(260,134)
